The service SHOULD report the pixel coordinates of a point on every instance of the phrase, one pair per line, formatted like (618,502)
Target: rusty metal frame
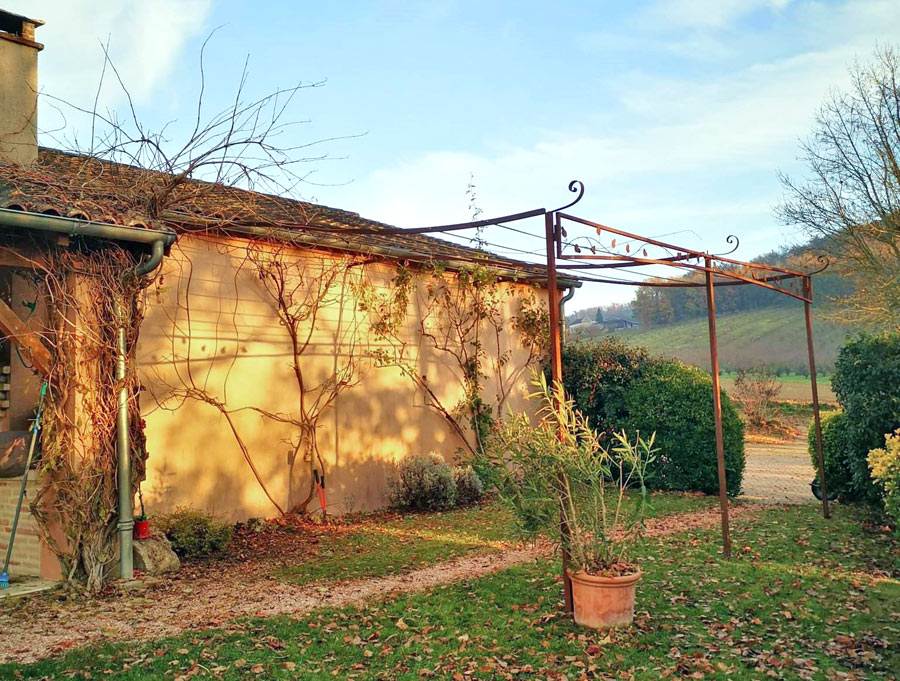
(717,270)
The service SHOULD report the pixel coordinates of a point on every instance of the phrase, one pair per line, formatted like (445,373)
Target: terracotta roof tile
(102,191)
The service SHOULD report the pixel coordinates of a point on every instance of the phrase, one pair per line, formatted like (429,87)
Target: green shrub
(597,375)
(423,482)
(867,385)
(469,488)
(618,386)
(676,401)
(195,534)
(884,463)
(838,477)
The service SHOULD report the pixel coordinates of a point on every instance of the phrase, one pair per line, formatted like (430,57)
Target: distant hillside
(657,307)
(774,336)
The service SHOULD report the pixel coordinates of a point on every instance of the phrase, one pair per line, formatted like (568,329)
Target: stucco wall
(211,308)
(18,102)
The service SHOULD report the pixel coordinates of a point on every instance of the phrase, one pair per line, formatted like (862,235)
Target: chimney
(18,88)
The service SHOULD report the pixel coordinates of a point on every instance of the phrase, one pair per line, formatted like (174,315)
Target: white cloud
(705,14)
(146,40)
(745,121)
(693,157)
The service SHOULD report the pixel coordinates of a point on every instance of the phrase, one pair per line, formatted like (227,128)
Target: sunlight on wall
(212,323)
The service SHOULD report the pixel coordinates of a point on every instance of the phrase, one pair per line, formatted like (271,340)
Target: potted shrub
(558,470)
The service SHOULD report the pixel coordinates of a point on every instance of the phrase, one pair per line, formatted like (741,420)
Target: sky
(676,114)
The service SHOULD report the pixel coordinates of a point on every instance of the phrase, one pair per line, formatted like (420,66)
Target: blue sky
(676,114)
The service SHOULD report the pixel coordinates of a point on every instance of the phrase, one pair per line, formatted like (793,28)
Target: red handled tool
(320,488)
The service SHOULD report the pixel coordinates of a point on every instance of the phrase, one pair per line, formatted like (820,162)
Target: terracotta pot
(603,602)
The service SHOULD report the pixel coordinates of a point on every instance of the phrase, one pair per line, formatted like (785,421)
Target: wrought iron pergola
(575,245)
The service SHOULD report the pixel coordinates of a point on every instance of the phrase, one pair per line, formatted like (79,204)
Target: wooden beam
(29,342)
(20,260)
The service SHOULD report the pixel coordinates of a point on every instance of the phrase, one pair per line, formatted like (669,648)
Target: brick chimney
(18,88)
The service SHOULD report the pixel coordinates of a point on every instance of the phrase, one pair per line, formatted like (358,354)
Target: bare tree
(851,198)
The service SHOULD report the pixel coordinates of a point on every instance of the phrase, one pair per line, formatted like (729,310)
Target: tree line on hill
(602,314)
(658,306)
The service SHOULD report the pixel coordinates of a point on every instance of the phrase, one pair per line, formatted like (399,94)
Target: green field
(774,336)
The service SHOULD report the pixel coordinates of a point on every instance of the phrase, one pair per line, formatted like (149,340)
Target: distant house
(615,324)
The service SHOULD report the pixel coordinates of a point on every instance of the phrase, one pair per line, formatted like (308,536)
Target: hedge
(618,386)
(597,376)
(675,400)
(867,385)
(838,478)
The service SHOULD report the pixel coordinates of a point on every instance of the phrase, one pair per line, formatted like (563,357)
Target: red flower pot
(141,529)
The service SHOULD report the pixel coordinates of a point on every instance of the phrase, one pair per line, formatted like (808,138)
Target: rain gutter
(333,242)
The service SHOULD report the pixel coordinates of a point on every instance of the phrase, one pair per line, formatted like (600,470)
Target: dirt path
(45,628)
(778,474)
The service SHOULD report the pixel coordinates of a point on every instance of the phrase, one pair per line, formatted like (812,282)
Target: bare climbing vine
(129,174)
(301,285)
(462,319)
(84,299)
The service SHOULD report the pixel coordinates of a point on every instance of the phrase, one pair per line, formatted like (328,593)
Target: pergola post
(807,285)
(717,406)
(556,375)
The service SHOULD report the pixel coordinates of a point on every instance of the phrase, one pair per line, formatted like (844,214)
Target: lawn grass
(794,388)
(804,598)
(387,544)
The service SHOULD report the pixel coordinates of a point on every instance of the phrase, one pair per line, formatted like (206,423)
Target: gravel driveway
(778,474)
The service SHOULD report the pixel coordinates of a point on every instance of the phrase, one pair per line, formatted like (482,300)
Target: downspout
(158,240)
(123,426)
(562,311)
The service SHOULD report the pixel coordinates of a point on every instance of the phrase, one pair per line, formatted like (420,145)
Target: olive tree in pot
(561,481)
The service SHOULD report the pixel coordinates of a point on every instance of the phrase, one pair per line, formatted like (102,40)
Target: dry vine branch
(459,312)
(299,285)
(82,295)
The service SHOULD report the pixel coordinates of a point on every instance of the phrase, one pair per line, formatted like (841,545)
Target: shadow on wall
(195,461)
(212,326)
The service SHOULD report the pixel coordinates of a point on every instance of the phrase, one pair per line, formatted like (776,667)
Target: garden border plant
(619,386)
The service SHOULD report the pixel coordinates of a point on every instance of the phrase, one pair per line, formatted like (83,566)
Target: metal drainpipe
(123,433)
(562,311)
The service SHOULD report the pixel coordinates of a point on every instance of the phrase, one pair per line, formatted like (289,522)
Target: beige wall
(211,310)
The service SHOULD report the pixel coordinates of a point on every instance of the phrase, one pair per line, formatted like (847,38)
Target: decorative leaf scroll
(625,250)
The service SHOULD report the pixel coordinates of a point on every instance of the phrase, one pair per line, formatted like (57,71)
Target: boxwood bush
(676,401)
(866,382)
(195,534)
(838,477)
(619,386)
(597,375)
